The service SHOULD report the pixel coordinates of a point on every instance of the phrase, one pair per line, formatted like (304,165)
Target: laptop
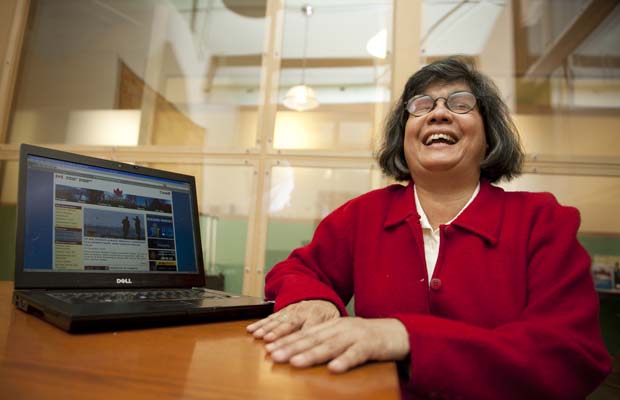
(104,245)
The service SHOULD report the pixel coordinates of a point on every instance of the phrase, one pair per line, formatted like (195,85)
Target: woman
(476,292)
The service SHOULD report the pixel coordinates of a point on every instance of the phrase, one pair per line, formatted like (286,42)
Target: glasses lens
(461,102)
(420,105)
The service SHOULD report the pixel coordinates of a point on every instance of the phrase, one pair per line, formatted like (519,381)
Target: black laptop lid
(85,222)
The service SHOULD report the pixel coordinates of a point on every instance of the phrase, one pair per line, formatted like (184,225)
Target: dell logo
(123,281)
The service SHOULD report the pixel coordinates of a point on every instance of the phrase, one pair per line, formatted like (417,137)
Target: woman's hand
(344,343)
(293,318)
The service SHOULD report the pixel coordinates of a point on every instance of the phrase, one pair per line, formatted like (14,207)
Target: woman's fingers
(280,330)
(319,354)
(314,345)
(353,356)
(274,326)
(347,342)
(256,325)
(293,318)
(283,349)
(265,321)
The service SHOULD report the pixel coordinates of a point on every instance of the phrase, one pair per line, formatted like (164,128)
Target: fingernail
(250,328)
(336,366)
(270,336)
(269,347)
(259,333)
(299,360)
(278,355)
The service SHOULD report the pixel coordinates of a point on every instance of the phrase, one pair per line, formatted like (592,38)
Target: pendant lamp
(302,97)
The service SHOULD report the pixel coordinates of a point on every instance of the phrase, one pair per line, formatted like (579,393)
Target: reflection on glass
(545,56)
(565,134)
(301,196)
(138,72)
(350,76)
(225,196)
(595,197)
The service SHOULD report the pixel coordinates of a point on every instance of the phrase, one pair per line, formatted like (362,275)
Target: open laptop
(104,245)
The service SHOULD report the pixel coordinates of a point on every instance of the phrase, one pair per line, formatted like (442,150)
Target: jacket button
(435,284)
(449,230)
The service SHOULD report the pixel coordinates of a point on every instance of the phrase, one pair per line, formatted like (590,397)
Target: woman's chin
(440,165)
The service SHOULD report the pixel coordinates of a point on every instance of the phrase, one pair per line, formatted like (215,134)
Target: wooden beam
(256,241)
(544,164)
(575,33)
(406,52)
(592,61)
(10,62)
(255,60)
(520,39)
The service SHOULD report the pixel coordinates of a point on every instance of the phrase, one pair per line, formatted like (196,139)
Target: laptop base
(81,319)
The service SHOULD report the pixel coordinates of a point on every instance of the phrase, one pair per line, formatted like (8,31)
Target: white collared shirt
(431,236)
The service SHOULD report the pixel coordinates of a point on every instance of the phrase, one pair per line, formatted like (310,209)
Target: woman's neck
(442,199)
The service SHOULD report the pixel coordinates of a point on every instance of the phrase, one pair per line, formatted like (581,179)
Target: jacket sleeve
(321,270)
(553,351)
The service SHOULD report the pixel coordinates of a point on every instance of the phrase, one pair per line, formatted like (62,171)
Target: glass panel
(114,72)
(349,76)
(225,197)
(597,200)
(301,196)
(595,197)
(569,57)
(8,216)
(570,135)
(590,78)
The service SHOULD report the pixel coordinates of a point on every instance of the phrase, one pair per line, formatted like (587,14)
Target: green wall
(8,216)
(283,237)
(600,244)
(230,253)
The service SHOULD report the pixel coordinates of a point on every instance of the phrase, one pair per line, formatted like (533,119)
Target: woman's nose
(440,112)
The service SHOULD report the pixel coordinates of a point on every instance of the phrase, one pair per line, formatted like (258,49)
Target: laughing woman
(476,292)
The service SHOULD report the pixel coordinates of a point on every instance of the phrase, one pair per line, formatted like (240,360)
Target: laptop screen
(84,219)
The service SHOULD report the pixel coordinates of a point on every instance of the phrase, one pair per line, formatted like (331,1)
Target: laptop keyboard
(131,296)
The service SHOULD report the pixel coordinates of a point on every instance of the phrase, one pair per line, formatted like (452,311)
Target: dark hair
(504,155)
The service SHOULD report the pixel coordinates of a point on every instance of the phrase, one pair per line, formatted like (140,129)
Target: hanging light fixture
(302,97)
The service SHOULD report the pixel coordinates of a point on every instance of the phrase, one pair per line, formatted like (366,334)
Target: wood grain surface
(205,361)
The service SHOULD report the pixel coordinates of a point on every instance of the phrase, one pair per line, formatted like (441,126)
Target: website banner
(110,194)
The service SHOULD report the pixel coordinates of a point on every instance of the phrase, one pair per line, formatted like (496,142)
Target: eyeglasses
(458,102)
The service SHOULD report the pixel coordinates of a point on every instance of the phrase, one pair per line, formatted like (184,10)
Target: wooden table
(206,361)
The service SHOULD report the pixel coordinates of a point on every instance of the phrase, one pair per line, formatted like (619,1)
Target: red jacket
(511,312)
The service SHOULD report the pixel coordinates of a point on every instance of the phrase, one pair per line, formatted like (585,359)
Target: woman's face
(443,141)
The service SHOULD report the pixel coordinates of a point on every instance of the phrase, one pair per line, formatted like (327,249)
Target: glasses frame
(446,103)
